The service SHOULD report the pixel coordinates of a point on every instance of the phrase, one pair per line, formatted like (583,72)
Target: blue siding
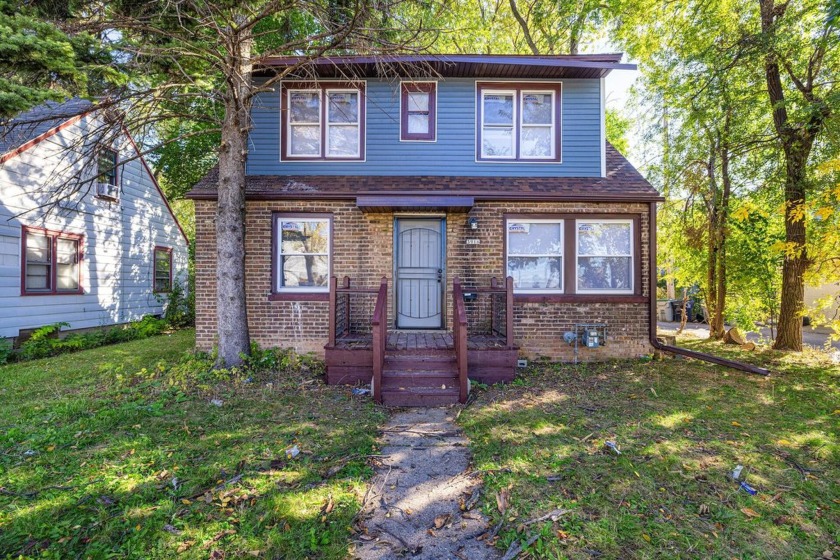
(454,151)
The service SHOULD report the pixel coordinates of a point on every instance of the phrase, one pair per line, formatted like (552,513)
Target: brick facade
(362,248)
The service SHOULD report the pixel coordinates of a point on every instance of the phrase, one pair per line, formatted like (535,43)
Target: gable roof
(448,66)
(622,182)
(39,123)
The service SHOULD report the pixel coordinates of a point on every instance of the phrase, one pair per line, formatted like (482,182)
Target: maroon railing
(379,324)
(459,337)
(490,311)
(350,310)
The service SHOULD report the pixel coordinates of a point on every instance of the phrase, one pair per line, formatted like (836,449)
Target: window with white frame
(323,123)
(498,115)
(605,256)
(535,254)
(303,253)
(519,122)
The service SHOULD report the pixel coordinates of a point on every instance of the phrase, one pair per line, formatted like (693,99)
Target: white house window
(418,101)
(518,122)
(535,255)
(605,256)
(304,122)
(303,253)
(537,125)
(342,123)
(51,262)
(497,119)
(323,123)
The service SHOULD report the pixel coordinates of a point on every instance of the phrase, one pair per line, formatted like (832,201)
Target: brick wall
(362,245)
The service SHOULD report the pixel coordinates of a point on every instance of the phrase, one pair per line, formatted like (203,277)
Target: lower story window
(163,269)
(535,255)
(605,256)
(303,253)
(51,262)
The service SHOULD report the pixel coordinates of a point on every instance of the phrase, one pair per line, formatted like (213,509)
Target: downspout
(675,349)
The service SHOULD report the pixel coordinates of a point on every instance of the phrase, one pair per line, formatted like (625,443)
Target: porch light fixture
(472,222)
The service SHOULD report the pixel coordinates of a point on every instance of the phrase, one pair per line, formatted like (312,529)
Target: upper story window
(163,269)
(51,262)
(518,122)
(323,121)
(107,182)
(418,111)
(302,260)
(605,256)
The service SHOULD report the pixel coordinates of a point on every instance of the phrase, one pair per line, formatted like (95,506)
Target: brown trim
(52,236)
(568,293)
(577,298)
(290,294)
(415,87)
(480,196)
(299,296)
(519,87)
(40,138)
(322,86)
(168,251)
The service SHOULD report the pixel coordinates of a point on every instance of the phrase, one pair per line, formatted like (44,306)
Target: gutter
(749,368)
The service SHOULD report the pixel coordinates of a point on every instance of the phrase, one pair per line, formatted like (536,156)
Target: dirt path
(413,507)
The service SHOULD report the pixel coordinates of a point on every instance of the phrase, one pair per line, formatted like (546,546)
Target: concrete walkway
(422,497)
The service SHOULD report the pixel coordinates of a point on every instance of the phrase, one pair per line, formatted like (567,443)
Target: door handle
(440,275)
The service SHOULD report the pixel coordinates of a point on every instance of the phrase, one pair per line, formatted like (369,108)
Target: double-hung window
(605,256)
(163,269)
(323,122)
(418,102)
(51,262)
(302,261)
(535,255)
(518,122)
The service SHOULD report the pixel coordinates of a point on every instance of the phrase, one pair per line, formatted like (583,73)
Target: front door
(419,272)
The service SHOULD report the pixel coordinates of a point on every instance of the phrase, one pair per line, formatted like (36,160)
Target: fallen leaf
(442,520)
(51,448)
(328,506)
(185,501)
(646,537)
(184,546)
(749,512)
(737,424)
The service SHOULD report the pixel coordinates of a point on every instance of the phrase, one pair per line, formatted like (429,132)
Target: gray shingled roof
(622,182)
(35,122)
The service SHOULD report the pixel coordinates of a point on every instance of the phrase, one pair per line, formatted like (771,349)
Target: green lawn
(97,463)
(682,426)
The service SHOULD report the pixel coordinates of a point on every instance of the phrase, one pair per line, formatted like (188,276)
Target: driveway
(810,337)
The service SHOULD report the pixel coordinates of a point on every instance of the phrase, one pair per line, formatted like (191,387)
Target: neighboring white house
(86,235)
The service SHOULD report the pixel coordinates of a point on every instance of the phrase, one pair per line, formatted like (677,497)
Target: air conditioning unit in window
(107,190)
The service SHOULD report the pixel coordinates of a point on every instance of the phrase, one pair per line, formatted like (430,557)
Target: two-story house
(418,219)
(86,235)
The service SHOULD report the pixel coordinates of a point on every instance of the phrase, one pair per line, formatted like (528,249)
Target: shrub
(6,350)
(43,342)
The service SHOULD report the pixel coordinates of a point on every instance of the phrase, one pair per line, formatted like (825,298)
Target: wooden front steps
(425,377)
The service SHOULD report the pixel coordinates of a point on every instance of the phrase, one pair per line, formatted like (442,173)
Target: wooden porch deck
(420,340)
(418,367)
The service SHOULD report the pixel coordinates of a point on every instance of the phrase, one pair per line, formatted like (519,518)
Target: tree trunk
(231,307)
(717,326)
(789,332)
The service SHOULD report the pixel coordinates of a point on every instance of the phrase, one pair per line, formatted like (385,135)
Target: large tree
(799,46)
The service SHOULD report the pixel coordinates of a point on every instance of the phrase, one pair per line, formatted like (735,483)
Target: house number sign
(473,241)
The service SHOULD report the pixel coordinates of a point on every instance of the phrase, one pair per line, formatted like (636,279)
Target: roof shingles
(622,182)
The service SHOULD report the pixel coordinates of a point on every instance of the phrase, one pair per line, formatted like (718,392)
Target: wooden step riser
(408,399)
(419,382)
